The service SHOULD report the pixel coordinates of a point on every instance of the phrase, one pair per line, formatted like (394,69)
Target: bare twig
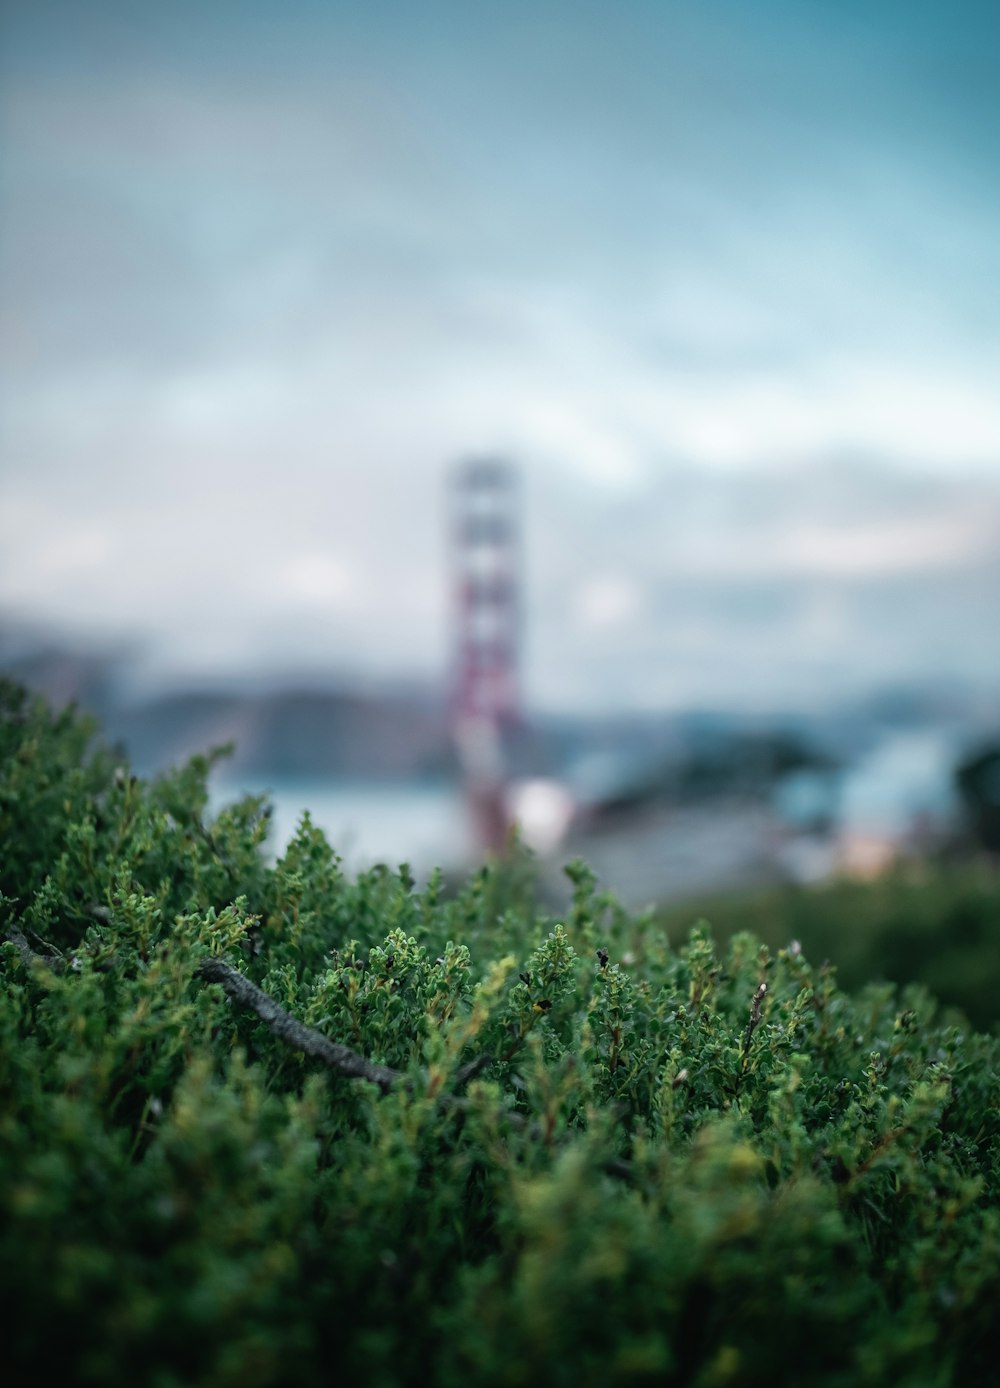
(753,1023)
(313,1043)
(295,1033)
(246,994)
(470,1071)
(29,956)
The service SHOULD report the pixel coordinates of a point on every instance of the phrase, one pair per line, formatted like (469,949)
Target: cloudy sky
(722,278)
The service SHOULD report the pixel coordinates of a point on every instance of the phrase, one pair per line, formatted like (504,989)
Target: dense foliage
(977,780)
(605,1161)
(933,923)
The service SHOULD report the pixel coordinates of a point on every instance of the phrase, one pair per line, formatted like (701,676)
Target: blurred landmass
(665,806)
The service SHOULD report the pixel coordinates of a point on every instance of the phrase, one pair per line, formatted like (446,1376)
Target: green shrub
(580,1156)
(936,924)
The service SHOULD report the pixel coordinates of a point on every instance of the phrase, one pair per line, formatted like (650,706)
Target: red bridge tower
(484,695)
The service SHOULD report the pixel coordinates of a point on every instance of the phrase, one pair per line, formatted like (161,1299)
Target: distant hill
(298,727)
(299,733)
(291,728)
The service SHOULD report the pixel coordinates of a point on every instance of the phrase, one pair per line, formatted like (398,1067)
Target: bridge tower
(484,691)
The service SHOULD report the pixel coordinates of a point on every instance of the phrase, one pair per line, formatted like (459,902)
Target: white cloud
(317,580)
(609,600)
(866,550)
(573,432)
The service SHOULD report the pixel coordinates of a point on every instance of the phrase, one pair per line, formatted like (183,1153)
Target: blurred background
(570,415)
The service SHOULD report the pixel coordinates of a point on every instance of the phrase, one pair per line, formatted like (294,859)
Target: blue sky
(723,279)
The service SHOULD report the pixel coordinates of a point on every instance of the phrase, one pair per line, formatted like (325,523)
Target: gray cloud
(727,289)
